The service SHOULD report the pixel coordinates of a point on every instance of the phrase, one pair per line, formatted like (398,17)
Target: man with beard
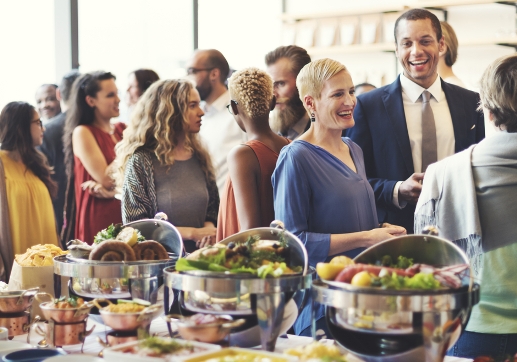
(219,132)
(289,118)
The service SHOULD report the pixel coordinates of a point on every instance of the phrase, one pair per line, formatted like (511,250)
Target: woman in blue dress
(320,187)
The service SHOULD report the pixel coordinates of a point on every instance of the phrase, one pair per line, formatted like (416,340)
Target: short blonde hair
(451,41)
(499,92)
(252,88)
(312,77)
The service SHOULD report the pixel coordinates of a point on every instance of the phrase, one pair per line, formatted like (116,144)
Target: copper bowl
(16,324)
(212,332)
(63,315)
(127,321)
(17,301)
(64,334)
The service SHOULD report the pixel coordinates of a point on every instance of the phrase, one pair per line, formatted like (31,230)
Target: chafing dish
(400,325)
(121,280)
(244,294)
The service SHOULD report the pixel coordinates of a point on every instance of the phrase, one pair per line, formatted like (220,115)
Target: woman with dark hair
(164,166)
(26,213)
(139,81)
(89,143)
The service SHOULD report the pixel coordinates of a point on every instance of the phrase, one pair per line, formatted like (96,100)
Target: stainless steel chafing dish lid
(424,249)
(162,231)
(298,253)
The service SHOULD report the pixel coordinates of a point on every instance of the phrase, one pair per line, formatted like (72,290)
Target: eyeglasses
(229,106)
(38,122)
(191,71)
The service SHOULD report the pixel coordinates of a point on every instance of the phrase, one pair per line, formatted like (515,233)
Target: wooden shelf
(390,47)
(386,9)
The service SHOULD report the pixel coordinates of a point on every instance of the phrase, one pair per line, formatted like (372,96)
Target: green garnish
(251,240)
(418,281)
(402,262)
(161,346)
(258,255)
(282,239)
(72,301)
(111,232)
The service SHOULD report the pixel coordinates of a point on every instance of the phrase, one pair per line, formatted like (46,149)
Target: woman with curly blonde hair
(248,195)
(163,165)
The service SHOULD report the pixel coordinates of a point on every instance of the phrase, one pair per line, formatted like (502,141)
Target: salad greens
(111,232)
(418,281)
(244,257)
(401,263)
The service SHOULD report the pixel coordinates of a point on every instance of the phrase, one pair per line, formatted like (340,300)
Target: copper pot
(127,321)
(58,335)
(207,332)
(63,315)
(16,323)
(17,300)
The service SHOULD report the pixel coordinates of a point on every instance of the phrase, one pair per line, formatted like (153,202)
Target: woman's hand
(384,233)
(97,190)
(204,236)
(401,230)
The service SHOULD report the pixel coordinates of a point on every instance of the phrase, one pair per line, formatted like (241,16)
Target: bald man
(219,132)
(46,101)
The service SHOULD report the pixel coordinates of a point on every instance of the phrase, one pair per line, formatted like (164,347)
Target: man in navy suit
(388,120)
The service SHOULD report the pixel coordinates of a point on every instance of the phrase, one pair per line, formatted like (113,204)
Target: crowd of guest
(220,153)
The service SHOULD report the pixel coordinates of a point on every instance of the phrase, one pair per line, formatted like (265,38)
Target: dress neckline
(334,157)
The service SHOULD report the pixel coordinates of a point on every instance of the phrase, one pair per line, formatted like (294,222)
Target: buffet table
(159,327)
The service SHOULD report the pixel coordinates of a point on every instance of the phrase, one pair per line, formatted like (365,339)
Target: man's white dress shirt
(412,101)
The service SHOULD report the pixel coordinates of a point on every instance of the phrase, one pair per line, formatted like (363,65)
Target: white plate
(251,337)
(75,358)
(115,354)
(7,347)
(232,351)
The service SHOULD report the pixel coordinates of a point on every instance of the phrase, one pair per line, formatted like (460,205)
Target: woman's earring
(313,118)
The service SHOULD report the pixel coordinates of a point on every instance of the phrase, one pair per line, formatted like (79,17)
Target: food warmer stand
(242,295)
(124,280)
(386,325)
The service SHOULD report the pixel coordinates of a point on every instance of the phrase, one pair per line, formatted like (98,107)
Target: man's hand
(410,189)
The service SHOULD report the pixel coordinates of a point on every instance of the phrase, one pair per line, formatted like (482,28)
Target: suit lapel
(455,103)
(392,99)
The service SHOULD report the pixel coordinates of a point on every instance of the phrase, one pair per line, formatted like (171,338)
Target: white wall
(121,36)
(471,22)
(244,31)
(27,46)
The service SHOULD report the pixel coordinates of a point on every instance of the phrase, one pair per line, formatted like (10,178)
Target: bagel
(113,250)
(150,250)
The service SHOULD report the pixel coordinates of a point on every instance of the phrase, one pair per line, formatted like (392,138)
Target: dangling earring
(313,118)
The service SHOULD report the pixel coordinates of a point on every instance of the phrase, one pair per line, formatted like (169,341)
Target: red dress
(94,214)
(228,221)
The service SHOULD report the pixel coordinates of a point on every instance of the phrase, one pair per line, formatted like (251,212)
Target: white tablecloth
(159,328)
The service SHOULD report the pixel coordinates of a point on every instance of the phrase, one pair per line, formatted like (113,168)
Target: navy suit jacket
(380,129)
